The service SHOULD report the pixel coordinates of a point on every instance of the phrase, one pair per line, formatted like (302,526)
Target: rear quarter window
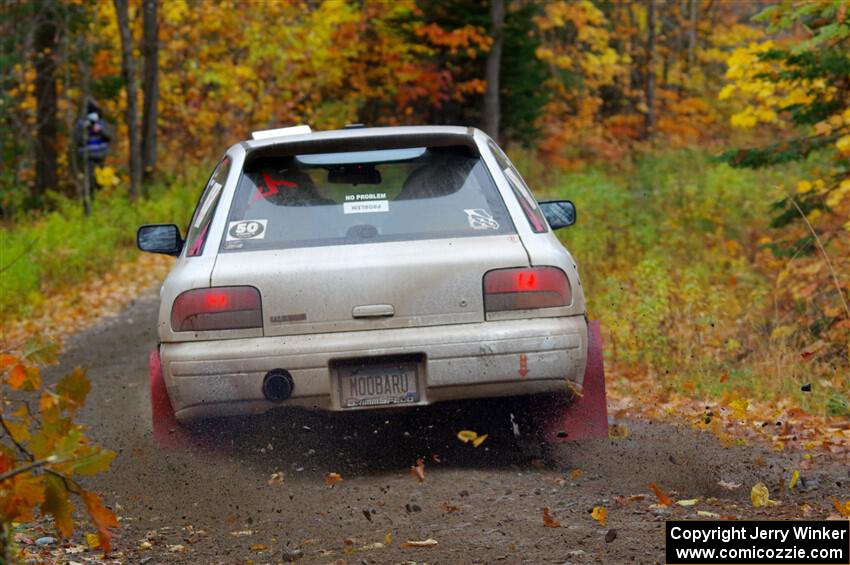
(364,197)
(535,217)
(196,236)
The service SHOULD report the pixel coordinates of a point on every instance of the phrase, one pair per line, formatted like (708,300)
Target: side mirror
(559,213)
(160,238)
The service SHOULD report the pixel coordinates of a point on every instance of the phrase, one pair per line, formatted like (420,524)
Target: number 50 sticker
(246,229)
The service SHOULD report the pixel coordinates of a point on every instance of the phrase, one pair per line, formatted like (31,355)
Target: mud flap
(166,429)
(586,417)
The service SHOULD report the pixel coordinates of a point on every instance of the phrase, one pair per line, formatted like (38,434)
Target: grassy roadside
(671,251)
(673,262)
(43,257)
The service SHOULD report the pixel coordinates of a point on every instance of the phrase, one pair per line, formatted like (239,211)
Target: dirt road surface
(484,505)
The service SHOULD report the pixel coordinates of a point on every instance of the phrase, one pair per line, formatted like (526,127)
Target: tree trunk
(45,43)
(85,188)
(131,116)
(80,53)
(492,112)
(150,86)
(692,34)
(649,93)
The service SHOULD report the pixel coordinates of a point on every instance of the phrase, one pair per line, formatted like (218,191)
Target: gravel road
(215,504)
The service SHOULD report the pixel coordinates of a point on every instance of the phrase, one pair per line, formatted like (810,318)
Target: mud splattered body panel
(370,248)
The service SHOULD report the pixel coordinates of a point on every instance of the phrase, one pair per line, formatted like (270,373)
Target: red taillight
(525,289)
(222,308)
(216,299)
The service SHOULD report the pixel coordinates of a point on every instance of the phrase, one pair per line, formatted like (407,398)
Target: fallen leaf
(843,509)
(7,360)
(92,540)
(242,533)
(795,476)
(663,499)
(276,478)
(259,547)
(424,543)
(435,457)
(388,538)
(177,548)
(626,500)
(449,508)
(418,470)
(729,485)
(332,478)
(466,436)
(618,431)
(371,546)
(600,514)
(707,514)
(760,496)
(576,473)
(548,521)
(688,502)
(479,440)
(610,535)
(739,407)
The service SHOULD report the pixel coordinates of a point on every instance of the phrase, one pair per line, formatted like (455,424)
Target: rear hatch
(370,286)
(360,240)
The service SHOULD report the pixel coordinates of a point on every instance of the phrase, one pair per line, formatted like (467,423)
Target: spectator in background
(92,135)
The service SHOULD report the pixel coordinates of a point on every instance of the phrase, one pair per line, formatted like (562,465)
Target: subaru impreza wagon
(366,269)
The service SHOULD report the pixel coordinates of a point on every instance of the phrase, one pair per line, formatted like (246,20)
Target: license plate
(378,385)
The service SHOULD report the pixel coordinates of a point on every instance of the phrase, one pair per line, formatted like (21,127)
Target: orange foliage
(47,447)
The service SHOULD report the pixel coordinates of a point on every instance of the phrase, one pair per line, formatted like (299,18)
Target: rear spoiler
(366,139)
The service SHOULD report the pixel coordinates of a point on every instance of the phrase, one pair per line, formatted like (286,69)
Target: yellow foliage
(106,176)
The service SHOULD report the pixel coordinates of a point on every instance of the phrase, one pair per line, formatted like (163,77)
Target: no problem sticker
(366,206)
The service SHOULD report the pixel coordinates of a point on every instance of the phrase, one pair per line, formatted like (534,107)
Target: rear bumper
(462,361)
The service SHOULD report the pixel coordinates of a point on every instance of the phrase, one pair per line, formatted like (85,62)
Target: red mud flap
(166,429)
(587,416)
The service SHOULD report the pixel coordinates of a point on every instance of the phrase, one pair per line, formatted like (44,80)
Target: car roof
(362,136)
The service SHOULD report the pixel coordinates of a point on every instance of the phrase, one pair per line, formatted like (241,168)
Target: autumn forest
(705,143)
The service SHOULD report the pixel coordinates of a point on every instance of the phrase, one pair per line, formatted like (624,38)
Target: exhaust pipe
(278,385)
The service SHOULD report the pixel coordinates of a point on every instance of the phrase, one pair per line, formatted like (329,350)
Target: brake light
(221,308)
(526,289)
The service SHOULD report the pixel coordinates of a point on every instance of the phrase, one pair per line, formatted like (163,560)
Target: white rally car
(371,268)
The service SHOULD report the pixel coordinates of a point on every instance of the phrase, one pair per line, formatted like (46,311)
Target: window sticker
(480,219)
(369,196)
(366,206)
(202,213)
(246,229)
(271,187)
(523,189)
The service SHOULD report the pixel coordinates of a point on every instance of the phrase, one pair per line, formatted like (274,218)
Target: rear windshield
(364,197)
